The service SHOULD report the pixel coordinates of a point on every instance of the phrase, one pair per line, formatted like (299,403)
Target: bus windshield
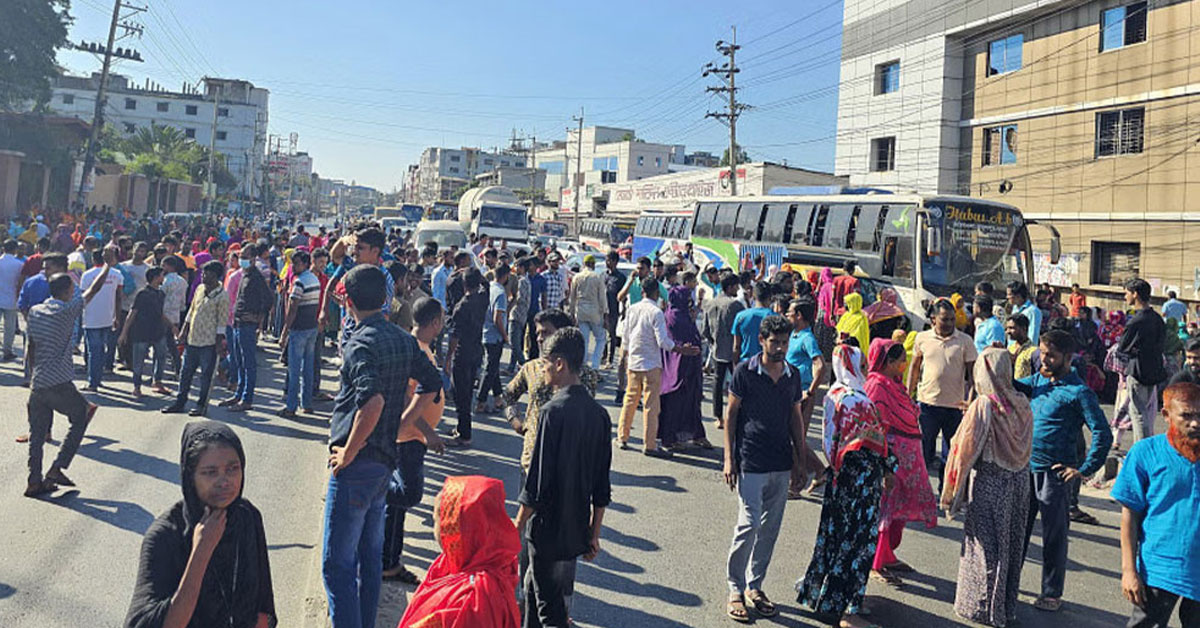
(503,217)
(980,242)
(621,233)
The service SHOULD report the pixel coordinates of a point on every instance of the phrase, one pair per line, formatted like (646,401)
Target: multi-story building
(605,155)
(1082,113)
(443,172)
(241,115)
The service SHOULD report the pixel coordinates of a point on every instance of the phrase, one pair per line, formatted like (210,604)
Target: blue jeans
(599,338)
(352,557)
(203,358)
(404,491)
(139,351)
(96,342)
(245,345)
(232,363)
(302,349)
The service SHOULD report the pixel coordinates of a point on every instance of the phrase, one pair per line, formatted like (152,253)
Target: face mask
(244,263)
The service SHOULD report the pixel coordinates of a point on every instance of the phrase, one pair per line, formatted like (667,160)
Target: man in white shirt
(100,315)
(10,285)
(645,339)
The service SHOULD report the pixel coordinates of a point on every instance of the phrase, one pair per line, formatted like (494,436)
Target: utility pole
(210,192)
(578,167)
(129,28)
(728,70)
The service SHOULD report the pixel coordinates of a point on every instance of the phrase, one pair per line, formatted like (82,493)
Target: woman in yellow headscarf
(960,311)
(854,323)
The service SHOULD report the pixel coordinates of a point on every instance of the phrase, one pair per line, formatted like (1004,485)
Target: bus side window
(747,222)
(727,214)
(889,256)
(852,229)
(762,222)
(704,220)
(776,224)
(818,226)
(837,226)
(866,235)
(801,224)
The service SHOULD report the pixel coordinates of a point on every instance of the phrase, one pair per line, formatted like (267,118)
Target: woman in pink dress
(910,498)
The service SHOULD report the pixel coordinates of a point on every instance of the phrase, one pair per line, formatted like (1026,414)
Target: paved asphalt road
(71,559)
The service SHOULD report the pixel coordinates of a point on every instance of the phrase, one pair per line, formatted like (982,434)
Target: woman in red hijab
(473,583)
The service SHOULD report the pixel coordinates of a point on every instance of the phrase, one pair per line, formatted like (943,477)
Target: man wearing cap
(589,306)
(556,281)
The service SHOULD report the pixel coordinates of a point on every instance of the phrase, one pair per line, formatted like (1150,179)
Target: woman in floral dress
(987,473)
(911,498)
(860,466)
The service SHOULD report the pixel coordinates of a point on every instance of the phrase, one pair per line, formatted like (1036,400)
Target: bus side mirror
(933,241)
(1055,249)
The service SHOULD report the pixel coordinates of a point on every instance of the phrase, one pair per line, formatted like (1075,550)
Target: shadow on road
(125,515)
(103,450)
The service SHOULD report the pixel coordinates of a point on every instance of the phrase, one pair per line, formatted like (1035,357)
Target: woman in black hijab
(204,561)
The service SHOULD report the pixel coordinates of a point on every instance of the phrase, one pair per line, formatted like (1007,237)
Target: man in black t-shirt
(567,488)
(763,424)
(146,326)
(464,350)
(1141,349)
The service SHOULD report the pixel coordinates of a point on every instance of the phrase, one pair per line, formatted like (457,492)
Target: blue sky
(367,84)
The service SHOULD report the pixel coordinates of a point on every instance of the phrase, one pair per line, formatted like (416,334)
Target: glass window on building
(129,127)
(455,158)
(1004,55)
(130,103)
(68,99)
(641,160)
(1120,132)
(887,77)
(221,135)
(1000,145)
(552,167)
(1114,263)
(658,162)
(1123,26)
(189,133)
(223,112)
(190,110)
(883,154)
(163,107)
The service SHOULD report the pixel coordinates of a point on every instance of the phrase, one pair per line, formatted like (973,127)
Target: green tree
(31,32)
(743,156)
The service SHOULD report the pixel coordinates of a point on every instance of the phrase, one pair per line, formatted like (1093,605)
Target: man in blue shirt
(989,330)
(1062,404)
(1174,308)
(1160,538)
(1018,298)
(747,322)
(805,355)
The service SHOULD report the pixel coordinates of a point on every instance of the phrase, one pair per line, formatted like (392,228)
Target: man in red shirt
(843,285)
(1076,301)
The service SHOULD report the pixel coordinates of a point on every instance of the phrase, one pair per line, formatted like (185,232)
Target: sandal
(886,577)
(1048,604)
(1079,516)
(761,604)
(736,609)
(403,576)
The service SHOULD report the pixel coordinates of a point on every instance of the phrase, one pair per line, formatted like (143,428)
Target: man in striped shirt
(300,334)
(50,325)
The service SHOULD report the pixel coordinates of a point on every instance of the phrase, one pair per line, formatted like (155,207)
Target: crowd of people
(992,400)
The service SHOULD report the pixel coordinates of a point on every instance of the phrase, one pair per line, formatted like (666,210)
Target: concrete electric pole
(578,167)
(129,28)
(210,192)
(729,71)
